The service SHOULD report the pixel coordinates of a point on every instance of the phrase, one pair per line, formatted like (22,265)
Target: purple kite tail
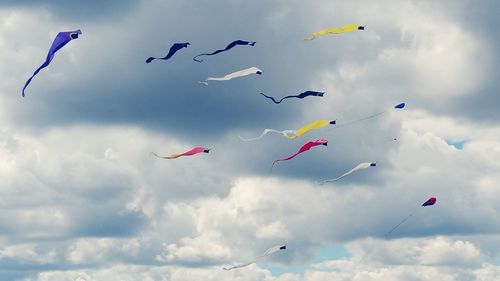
(44,65)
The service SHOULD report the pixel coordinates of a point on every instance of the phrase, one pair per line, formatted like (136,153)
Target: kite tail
(198,56)
(44,65)
(250,139)
(265,132)
(329,180)
(243,139)
(395,227)
(274,162)
(203,82)
(271,98)
(310,38)
(159,156)
(150,59)
(284,159)
(154,154)
(238,266)
(164,157)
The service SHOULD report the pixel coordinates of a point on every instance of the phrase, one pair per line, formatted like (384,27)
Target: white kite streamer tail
(265,132)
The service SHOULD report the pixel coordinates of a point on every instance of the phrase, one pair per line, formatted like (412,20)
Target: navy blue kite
(176,47)
(230,46)
(300,96)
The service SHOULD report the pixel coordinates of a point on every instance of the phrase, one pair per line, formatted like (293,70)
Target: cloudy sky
(82,199)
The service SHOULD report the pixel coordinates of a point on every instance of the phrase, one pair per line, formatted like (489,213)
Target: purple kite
(60,41)
(431,201)
(304,148)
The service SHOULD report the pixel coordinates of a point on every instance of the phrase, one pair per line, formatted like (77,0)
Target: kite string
(395,227)
(361,119)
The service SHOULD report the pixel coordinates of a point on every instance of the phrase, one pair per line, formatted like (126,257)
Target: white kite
(268,252)
(357,168)
(241,73)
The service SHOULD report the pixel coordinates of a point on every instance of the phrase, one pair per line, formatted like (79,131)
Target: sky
(82,199)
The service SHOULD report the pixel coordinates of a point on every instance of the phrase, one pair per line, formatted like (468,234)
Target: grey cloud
(82,11)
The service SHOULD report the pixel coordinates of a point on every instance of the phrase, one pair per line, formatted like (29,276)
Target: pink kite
(196,150)
(305,147)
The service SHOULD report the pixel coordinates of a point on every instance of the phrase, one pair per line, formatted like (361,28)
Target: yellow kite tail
(173,156)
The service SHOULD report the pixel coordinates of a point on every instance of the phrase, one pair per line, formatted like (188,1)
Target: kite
(311,126)
(397,106)
(293,134)
(196,150)
(176,47)
(241,73)
(62,38)
(431,201)
(299,96)
(230,46)
(304,148)
(336,30)
(268,252)
(357,168)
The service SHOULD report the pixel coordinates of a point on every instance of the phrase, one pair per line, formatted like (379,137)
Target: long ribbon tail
(238,266)
(397,225)
(198,56)
(362,119)
(203,82)
(330,180)
(310,38)
(228,47)
(44,65)
(211,54)
(154,154)
(150,59)
(271,98)
(285,159)
(336,179)
(163,157)
(272,166)
(265,132)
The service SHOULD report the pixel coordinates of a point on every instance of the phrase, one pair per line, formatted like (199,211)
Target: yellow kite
(336,30)
(311,126)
